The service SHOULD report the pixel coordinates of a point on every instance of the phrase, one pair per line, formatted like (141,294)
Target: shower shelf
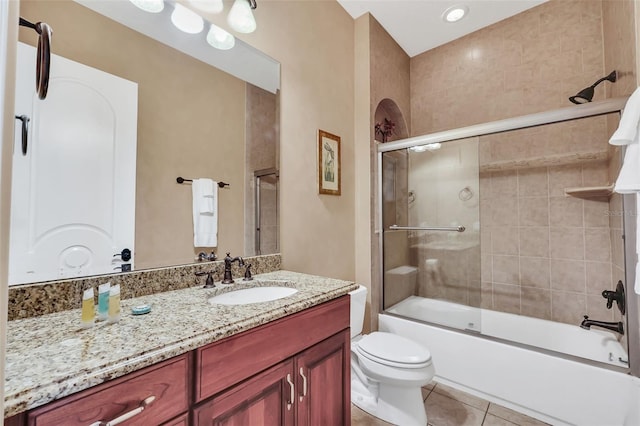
(590,191)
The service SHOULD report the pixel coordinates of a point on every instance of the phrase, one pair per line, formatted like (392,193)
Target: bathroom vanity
(284,362)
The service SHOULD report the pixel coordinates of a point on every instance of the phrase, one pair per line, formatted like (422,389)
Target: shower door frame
(257,176)
(592,109)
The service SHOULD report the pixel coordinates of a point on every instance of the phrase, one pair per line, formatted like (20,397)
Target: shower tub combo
(551,370)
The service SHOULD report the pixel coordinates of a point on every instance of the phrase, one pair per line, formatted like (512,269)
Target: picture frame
(329,162)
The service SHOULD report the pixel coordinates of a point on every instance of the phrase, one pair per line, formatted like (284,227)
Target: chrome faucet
(618,327)
(228,278)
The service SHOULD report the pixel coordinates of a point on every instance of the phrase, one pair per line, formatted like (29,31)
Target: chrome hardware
(125,254)
(25,132)
(125,267)
(304,384)
(228,278)
(202,256)
(293,392)
(618,327)
(427,228)
(209,282)
(247,273)
(126,416)
(617,296)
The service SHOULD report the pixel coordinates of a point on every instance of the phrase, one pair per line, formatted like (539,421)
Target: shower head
(586,94)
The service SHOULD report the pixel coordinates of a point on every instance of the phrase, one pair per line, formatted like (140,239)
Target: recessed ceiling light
(455,13)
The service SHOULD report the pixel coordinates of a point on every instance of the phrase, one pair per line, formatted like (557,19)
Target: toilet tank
(358,303)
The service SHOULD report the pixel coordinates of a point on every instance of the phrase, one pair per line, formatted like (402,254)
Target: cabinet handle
(126,416)
(293,392)
(304,384)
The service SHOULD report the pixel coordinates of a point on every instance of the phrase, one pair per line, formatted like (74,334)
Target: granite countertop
(50,356)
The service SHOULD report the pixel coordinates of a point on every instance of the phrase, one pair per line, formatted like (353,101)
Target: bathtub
(557,389)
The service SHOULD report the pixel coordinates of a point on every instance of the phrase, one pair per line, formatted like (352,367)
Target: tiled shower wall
(544,254)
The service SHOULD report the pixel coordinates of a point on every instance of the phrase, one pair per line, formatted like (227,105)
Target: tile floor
(447,406)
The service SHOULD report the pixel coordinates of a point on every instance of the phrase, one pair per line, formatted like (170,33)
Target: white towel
(205,213)
(628,180)
(205,194)
(628,127)
(636,286)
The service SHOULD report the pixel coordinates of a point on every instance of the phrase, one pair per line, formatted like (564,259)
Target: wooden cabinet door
(264,400)
(323,382)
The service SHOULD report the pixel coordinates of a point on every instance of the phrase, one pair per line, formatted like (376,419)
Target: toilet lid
(381,346)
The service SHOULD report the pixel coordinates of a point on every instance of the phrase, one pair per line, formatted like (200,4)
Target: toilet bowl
(387,371)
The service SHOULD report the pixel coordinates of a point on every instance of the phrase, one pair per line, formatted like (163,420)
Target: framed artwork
(329,176)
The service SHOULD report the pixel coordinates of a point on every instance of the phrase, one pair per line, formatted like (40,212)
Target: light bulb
(209,6)
(187,20)
(219,38)
(153,6)
(241,17)
(455,13)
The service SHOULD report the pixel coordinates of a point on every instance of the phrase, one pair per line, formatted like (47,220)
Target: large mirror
(193,121)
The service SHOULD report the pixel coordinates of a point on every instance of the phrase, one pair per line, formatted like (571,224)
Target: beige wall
(191,120)
(314,43)
(389,96)
(365,238)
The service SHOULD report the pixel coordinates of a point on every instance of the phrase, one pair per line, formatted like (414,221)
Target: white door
(73,192)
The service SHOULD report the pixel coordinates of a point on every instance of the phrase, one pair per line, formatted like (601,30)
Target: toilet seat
(393,350)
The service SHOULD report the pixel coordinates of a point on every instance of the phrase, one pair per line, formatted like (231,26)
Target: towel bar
(180,179)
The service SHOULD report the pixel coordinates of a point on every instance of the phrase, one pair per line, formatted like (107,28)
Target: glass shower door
(431,222)
(267,226)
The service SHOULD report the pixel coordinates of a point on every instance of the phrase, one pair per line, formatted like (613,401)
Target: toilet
(387,371)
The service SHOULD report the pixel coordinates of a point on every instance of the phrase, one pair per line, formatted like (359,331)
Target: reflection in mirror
(191,120)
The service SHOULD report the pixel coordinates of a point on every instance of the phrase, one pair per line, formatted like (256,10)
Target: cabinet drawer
(166,381)
(229,361)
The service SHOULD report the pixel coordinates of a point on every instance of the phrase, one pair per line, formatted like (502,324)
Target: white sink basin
(252,295)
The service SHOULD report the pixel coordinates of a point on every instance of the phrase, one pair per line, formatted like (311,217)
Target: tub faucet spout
(618,327)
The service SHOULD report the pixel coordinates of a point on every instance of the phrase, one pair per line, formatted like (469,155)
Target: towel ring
(43,60)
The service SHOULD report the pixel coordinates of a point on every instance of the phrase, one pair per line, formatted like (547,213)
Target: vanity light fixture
(209,6)
(455,13)
(241,16)
(186,20)
(219,38)
(153,6)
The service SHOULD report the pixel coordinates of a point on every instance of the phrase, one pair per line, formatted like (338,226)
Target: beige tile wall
(543,254)
(528,63)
